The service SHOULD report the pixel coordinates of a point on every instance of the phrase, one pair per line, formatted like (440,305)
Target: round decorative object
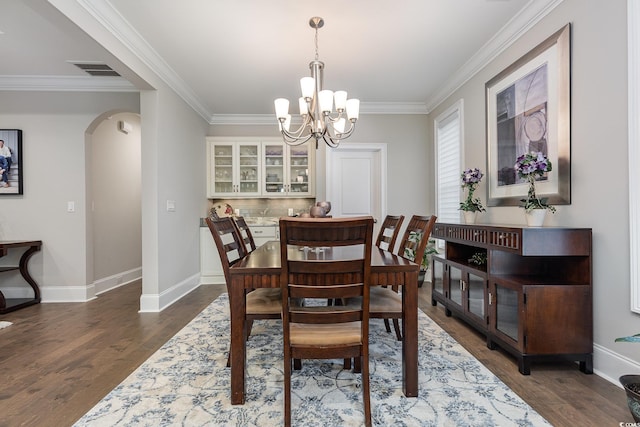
(317,212)
(535,217)
(222,211)
(325,205)
(469,217)
(631,384)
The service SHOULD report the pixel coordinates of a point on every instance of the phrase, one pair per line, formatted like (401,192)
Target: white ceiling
(235,57)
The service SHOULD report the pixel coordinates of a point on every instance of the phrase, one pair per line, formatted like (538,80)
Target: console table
(10,304)
(532,295)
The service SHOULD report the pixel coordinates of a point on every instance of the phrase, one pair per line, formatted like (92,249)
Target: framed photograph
(528,109)
(10,162)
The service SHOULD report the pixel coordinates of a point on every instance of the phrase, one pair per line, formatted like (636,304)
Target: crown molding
(66,84)
(530,15)
(365,108)
(107,16)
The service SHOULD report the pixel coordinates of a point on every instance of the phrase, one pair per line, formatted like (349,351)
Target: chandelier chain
(316,40)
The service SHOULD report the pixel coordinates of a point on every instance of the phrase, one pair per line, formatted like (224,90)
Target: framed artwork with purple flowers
(528,111)
(11,171)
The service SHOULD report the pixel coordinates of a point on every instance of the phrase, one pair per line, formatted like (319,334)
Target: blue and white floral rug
(186,383)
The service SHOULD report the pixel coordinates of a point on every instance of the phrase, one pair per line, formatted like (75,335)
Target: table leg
(410,334)
(238,307)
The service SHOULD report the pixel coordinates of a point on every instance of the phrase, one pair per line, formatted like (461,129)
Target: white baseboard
(52,294)
(212,279)
(153,303)
(611,365)
(117,280)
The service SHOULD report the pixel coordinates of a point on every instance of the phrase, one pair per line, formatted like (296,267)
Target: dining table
(261,269)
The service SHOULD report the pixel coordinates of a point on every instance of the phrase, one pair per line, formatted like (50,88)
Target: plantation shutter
(448,142)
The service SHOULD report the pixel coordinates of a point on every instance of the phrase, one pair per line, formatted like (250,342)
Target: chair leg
(287,389)
(347,364)
(229,359)
(365,389)
(396,326)
(387,326)
(297,364)
(357,365)
(249,325)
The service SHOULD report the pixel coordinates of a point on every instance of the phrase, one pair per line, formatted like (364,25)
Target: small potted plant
(410,253)
(470,207)
(631,384)
(529,167)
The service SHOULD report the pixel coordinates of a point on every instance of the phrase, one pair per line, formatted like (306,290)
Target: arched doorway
(114,217)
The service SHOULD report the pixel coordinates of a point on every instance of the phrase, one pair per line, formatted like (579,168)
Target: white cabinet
(259,167)
(233,168)
(288,171)
(210,265)
(263,233)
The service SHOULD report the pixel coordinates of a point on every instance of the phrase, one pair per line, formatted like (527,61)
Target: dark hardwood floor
(58,360)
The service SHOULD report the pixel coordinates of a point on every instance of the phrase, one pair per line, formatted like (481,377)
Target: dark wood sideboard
(30,247)
(532,296)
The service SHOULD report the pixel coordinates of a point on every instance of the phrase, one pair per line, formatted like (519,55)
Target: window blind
(448,142)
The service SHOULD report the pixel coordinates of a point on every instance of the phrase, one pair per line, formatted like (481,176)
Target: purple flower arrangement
(529,166)
(470,180)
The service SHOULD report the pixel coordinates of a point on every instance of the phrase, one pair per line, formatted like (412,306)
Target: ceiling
(233,58)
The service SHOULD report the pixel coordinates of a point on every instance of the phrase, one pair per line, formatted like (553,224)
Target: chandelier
(319,121)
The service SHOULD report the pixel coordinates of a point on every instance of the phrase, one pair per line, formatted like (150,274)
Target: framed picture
(528,109)
(11,171)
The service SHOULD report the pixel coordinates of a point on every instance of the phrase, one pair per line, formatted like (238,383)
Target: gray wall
(599,170)
(409,157)
(54,167)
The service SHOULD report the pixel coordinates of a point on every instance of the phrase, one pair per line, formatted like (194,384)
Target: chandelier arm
(343,135)
(329,141)
(293,139)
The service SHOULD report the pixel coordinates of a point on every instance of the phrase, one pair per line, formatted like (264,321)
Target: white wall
(599,189)
(173,169)
(54,126)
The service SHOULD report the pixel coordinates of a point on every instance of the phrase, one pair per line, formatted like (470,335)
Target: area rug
(4,324)
(187,383)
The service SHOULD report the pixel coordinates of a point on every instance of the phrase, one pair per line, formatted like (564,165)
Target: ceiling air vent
(96,69)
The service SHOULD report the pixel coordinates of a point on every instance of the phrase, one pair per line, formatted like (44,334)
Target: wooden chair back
(416,236)
(389,231)
(229,243)
(245,234)
(309,271)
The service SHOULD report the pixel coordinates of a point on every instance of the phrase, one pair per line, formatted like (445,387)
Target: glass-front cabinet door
(287,169)
(234,168)
(455,285)
(504,301)
(476,285)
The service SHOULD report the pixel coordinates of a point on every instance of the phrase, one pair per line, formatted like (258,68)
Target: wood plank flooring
(58,360)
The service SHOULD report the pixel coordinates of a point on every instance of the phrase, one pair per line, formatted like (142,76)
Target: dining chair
(245,234)
(389,231)
(386,239)
(308,270)
(386,302)
(261,303)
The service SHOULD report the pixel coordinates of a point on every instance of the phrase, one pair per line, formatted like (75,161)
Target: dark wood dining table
(261,269)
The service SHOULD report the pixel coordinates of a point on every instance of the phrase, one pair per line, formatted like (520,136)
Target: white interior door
(357,180)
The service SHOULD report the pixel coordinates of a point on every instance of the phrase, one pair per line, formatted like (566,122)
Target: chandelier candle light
(319,121)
